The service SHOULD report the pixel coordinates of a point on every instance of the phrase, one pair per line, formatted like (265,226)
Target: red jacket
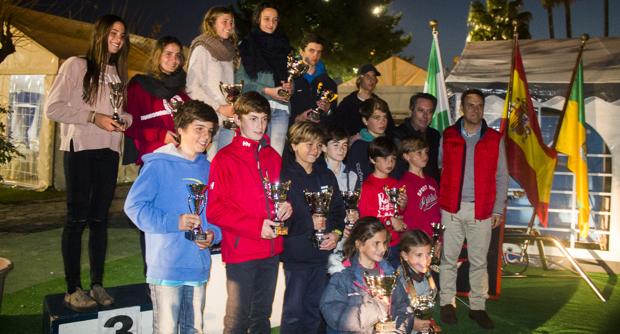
(374,202)
(237,202)
(152,118)
(486,154)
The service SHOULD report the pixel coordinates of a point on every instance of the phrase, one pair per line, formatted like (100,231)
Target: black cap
(367,68)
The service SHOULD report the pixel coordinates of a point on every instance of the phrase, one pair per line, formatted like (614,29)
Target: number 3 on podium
(120,321)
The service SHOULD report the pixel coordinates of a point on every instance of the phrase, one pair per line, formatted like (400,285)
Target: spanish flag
(571,140)
(530,162)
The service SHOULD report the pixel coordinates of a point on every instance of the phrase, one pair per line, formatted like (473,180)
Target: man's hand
(188,221)
(496,220)
(330,241)
(267,230)
(285,210)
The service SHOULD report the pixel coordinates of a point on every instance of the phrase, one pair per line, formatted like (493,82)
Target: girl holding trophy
(212,60)
(365,298)
(81,100)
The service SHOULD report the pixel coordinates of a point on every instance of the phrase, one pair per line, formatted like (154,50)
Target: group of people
(180,125)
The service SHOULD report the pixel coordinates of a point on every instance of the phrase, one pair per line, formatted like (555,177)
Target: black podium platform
(130,313)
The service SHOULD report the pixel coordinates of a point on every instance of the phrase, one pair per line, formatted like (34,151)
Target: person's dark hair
(335,132)
(252,102)
(310,37)
(161,43)
(414,238)
(259,10)
(363,230)
(414,99)
(382,147)
(470,92)
(370,105)
(98,57)
(194,110)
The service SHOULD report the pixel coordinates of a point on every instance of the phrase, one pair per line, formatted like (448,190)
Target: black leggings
(91,179)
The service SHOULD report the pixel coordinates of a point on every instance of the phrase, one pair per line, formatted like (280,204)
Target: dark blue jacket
(298,248)
(305,96)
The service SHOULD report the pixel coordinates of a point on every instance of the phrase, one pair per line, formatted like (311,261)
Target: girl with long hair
(91,139)
(212,59)
(263,68)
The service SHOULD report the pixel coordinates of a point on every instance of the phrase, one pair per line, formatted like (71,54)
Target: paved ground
(43,215)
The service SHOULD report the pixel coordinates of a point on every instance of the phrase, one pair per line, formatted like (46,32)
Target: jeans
(91,179)
(304,288)
(459,226)
(251,287)
(177,309)
(278,126)
(222,138)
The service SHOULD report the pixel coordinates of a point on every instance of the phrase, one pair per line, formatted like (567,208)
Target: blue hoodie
(154,203)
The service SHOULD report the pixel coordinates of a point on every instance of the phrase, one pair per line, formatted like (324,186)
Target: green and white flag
(436,86)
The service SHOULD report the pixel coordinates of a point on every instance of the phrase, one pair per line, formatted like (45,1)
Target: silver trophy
(197,201)
(351,199)
(382,285)
(296,67)
(231,93)
(438,228)
(319,205)
(393,193)
(277,194)
(325,95)
(117,95)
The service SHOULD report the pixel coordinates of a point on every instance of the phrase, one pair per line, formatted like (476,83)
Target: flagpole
(584,39)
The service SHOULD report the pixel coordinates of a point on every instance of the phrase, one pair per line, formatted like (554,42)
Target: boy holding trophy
(239,204)
(178,268)
(313,232)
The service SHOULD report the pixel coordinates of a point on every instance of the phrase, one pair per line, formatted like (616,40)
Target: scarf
(222,50)
(263,52)
(167,86)
(318,70)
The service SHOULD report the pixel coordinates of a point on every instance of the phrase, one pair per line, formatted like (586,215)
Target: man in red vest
(474,182)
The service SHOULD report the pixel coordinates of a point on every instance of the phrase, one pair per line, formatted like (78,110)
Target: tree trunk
(606,18)
(550,22)
(569,29)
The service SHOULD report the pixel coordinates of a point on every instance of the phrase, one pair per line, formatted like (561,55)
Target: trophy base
(280,229)
(314,115)
(284,93)
(317,239)
(195,236)
(385,327)
(118,119)
(229,124)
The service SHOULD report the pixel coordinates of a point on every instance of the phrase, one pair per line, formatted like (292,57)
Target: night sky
(183,18)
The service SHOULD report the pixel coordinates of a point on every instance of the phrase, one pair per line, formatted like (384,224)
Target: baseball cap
(367,68)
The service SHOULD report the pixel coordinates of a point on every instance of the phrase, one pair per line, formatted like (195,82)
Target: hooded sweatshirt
(154,203)
(298,248)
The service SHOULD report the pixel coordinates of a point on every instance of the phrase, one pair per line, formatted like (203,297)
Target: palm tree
(567,16)
(606,20)
(493,21)
(549,4)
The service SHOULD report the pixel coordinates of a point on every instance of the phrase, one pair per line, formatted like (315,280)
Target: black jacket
(348,116)
(298,248)
(305,96)
(432,138)
(359,162)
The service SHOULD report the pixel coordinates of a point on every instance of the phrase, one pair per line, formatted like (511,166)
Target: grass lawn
(546,302)
(13,195)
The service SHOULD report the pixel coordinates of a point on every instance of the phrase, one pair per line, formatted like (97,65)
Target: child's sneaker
(98,293)
(79,301)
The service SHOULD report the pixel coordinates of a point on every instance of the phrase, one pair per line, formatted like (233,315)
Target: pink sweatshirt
(65,105)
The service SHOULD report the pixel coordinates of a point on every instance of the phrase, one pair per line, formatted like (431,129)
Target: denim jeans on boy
(251,286)
(91,179)
(278,125)
(177,309)
(304,287)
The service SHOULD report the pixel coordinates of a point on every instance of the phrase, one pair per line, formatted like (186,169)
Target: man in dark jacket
(305,96)
(422,106)
(347,115)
